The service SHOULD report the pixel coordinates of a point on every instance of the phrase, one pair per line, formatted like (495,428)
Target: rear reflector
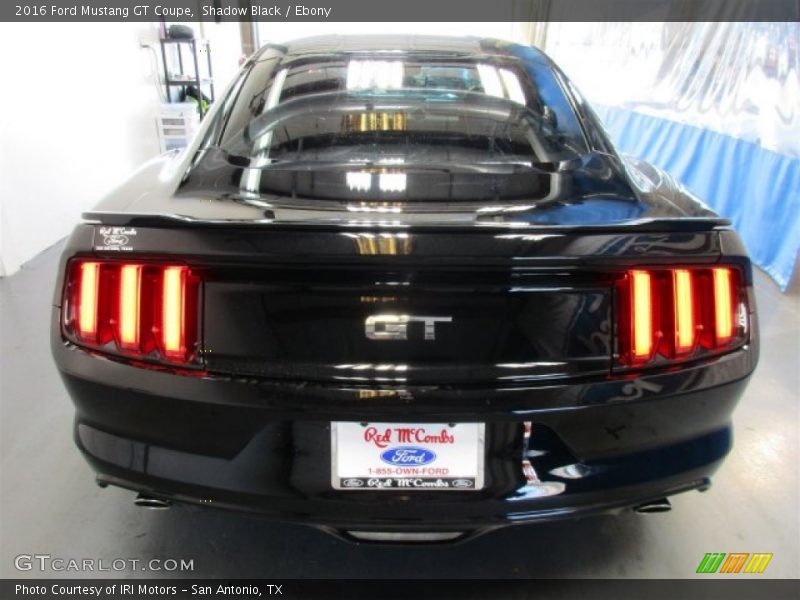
(666,315)
(140,310)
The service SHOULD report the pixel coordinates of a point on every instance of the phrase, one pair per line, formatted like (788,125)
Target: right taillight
(134,309)
(673,314)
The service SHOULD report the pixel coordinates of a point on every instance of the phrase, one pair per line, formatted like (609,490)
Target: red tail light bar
(134,309)
(150,311)
(676,314)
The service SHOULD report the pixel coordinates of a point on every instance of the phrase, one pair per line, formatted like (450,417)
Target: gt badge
(395,327)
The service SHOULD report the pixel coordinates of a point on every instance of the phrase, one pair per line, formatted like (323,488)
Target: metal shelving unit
(182,79)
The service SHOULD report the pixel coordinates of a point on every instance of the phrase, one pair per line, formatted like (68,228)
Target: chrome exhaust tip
(151,503)
(661,505)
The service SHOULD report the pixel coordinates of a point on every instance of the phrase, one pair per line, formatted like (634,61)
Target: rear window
(388,110)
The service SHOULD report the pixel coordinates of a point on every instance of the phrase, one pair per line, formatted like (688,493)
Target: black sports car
(404,288)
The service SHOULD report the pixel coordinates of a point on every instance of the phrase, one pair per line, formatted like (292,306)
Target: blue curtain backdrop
(756,188)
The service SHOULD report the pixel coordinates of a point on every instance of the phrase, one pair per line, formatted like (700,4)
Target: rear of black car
(418,296)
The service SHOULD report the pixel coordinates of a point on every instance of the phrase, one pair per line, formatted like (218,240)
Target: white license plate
(407,456)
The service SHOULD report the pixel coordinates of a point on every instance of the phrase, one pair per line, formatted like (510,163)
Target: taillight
(669,315)
(130,287)
(723,305)
(134,309)
(85,304)
(642,308)
(174,312)
(685,330)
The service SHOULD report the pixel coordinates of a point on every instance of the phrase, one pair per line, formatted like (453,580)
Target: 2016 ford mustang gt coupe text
(404,288)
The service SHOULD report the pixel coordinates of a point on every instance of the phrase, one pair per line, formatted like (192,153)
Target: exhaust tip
(661,505)
(152,503)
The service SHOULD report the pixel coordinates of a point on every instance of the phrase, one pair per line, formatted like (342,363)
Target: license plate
(407,456)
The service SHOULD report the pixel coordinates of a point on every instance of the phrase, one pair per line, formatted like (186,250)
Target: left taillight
(139,310)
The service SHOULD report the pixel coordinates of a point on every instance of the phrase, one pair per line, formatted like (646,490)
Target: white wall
(77,115)
(226,50)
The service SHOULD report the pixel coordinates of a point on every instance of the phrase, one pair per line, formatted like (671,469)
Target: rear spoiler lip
(165,221)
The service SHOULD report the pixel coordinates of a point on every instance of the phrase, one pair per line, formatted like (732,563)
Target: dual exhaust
(142,500)
(661,505)
(151,502)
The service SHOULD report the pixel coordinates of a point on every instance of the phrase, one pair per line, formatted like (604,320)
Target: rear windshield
(402,112)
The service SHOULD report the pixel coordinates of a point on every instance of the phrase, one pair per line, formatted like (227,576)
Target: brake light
(86,321)
(642,314)
(683,299)
(139,310)
(723,304)
(667,315)
(129,297)
(173,332)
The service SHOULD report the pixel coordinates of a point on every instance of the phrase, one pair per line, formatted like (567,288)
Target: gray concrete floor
(50,505)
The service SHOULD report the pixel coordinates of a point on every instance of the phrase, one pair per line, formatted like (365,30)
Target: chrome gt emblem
(395,327)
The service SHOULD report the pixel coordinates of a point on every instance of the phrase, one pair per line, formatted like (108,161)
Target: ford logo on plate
(462,483)
(408,455)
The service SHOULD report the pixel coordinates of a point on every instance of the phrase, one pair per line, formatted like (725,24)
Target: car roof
(423,44)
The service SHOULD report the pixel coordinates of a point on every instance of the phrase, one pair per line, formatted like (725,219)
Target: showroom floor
(50,505)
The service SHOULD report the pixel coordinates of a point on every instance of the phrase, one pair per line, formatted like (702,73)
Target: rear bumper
(264,446)
(291,489)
